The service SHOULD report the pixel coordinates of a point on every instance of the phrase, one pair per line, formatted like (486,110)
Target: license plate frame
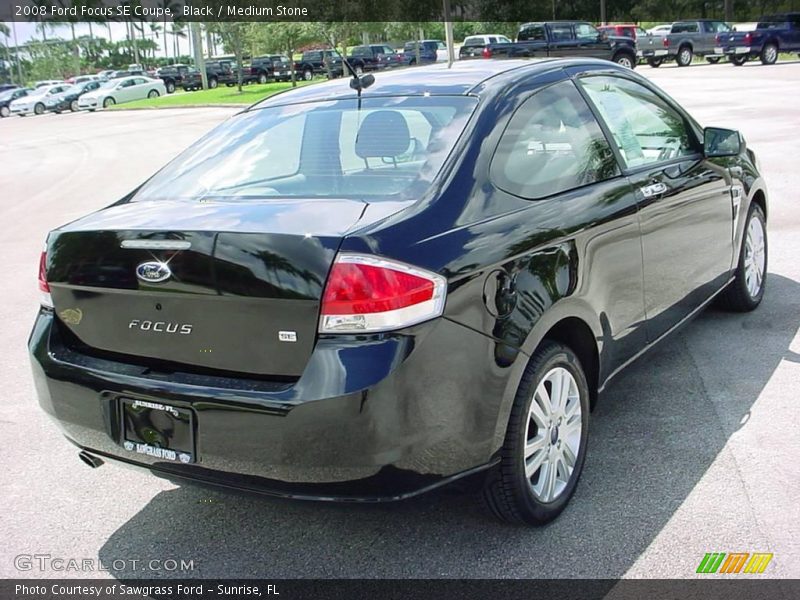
(158,430)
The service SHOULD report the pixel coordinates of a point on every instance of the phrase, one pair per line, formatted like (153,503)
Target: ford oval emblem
(153,272)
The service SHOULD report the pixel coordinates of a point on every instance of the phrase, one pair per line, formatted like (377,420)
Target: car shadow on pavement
(655,433)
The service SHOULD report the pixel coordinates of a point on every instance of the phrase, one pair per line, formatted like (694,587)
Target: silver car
(36,101)
(119,91)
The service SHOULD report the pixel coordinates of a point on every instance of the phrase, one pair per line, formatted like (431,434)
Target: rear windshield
(391,148)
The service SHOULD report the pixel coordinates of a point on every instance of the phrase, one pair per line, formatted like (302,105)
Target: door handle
(654,189)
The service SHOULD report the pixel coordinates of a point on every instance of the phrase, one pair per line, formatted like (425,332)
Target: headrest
(383,133)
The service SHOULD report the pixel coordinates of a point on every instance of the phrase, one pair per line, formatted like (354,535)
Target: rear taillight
(44,287)
(748,38)
(487,53)
(717,39)
(369,294)
(665,41)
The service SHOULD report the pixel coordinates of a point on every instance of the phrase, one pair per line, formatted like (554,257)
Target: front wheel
(73,106)
(684,58)
(746,290)
(109,102)
(545,445)
(39,108)
(769,54)
(655,62)
(738,61)
(625,60)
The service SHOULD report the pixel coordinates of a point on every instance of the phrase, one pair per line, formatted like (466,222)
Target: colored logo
(153,272)
(734,562)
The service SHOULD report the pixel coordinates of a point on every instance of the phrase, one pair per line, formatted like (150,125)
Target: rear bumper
(376,418)
(734,50)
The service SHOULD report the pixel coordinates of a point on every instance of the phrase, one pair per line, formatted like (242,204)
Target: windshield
(390,149)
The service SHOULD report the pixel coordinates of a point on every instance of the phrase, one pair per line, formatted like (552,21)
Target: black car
(319,62)
(341,298)
(8,96)
(68,99)
(274,67)
(374,57)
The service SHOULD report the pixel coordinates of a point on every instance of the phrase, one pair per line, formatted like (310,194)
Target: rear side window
(684,28)
(552,144)
(532,33)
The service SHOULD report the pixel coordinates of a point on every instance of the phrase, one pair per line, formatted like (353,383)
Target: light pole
(603,12)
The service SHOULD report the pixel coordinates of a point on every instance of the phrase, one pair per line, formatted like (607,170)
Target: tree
(232,35)
(287,38)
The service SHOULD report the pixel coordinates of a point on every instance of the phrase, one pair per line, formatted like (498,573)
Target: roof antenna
(357,83)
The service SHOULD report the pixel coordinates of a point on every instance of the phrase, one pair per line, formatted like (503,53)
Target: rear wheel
(624,59)
(262,78)
(109,102)
(308,74)
(212,83)
(738,61)
(153,94)
(359,69)
(545,445)
(4,111)
(747,289)
(769,54)
(655,62)
(39,108)
(170,87)
(685,55)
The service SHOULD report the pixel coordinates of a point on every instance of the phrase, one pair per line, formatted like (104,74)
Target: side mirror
(721,142)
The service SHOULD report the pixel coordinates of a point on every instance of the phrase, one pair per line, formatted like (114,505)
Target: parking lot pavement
(694,449)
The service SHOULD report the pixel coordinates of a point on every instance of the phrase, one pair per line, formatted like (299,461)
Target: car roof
(462,78)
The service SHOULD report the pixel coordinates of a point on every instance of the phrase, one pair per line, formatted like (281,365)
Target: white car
(660,30)
(119,91)
(46,82)
(36,101)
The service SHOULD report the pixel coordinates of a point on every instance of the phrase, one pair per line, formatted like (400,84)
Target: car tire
(769,54)
(623,59)
(153,94)
(38,108)
(262,78)
(655,62)
(684,57)
(92,109)
(713,59)
(559,437)
(213,83)
(359,70)
(170,87)
(4,111)
(109,102)
(746,290)
(308,74)
(738,61)
(73,106)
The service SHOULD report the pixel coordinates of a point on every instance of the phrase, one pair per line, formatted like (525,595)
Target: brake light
(487,52)
(44,288)
(717,38)
(369,294)
(665,41)
(748,37)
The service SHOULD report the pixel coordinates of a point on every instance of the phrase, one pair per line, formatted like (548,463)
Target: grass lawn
(221,95)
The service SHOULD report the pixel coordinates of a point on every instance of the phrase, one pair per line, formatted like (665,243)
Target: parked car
(47,82)
(686,40)
(68,99)
(106,74)
(8,86)
(773,34)
(319,62)
(435,282)
(374,57)
(660,29)
(273,67)
(8,96)
(119,91)
(126,73)
(173,76)
(217,72)
(630,30)
(565,38)
(430,51)
(473,45)
(35,101)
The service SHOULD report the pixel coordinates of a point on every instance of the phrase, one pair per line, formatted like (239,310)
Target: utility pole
(16,52)
(448,33)
(728,10)
(603,19)
(199,61)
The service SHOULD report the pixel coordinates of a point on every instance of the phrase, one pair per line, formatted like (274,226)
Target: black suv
(374,57)
(319,62)
(275,67)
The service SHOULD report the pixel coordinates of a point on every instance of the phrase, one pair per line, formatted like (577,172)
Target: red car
(623,29)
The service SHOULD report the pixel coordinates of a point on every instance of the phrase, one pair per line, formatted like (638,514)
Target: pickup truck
(773,34)
(566,38)
(686,40)
(319,62)
(217,71)
(275,67)
(374,57)
(173,76)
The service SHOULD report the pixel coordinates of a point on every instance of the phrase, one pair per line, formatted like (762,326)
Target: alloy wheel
(553,434)
(754,257)
(625,61)
(770,54)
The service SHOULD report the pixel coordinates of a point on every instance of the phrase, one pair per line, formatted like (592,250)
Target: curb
(121,108)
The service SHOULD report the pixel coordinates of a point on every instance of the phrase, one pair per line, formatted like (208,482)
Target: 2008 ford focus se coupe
(362,292)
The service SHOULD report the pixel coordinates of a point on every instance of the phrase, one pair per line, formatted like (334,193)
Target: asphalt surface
(694,449)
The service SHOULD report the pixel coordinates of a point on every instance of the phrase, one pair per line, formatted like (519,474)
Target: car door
(590,42)
(562,39)
(685,202)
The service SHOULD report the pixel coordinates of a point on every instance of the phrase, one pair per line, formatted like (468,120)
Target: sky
(27,31)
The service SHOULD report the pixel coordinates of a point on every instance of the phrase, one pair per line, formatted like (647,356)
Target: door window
(534,32)
(552,144)
(646,129)
(584,31)
(561,32)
